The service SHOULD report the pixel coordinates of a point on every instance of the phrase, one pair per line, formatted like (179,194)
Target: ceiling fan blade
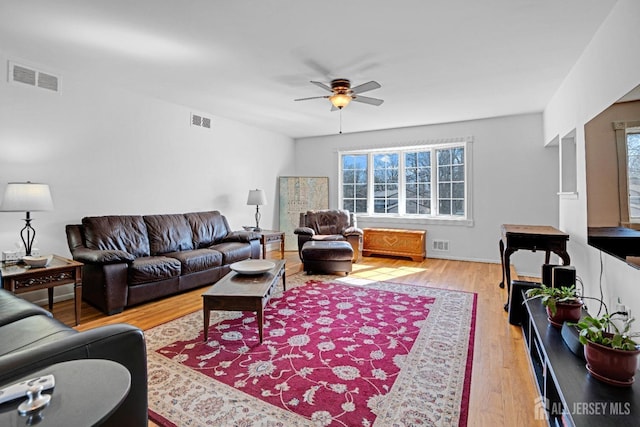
(364,87)
(368,100)
(312,97)
(322,85)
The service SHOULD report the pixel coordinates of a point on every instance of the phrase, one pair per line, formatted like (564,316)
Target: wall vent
(200,121)
(441,245)
(32,77)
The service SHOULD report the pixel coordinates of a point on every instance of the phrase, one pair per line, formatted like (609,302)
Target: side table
(532,238)
(271,236)
(86,393)
(20,278)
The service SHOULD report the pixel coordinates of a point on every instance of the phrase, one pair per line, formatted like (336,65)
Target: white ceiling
(437,60)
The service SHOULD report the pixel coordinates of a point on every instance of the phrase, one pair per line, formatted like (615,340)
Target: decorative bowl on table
(37,261)
(252,266)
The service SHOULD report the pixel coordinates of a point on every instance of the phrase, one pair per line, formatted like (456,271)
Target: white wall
(607,70)
(108,151)
(514,181)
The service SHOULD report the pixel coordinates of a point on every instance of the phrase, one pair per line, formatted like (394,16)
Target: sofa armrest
(120,343)
(304,231)
(95,256)
(241,236)
(353,231)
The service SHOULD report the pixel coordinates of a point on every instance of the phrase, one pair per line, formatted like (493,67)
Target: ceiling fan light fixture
(340,100)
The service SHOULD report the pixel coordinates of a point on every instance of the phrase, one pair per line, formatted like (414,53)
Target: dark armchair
(328,225)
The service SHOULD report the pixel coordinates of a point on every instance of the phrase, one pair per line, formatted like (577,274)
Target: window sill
(401,220)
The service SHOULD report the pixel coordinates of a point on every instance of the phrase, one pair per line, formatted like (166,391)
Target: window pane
(457,156)
(349,176)
(444,173)
(457,191)
(361,206)
(411,191)
(417,175)
(354,177)
(457,173)
(444,157)
(458,207)
(444,207)
(347,191)
(444,191)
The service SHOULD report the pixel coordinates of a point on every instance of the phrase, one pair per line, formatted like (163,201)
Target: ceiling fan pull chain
(340,121)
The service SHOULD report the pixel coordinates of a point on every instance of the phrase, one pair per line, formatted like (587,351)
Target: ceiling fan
(343,93)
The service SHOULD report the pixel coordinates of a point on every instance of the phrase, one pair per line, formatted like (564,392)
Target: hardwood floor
(502,386)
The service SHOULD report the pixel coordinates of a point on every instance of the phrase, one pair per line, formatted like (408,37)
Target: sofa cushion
(233,251)
(153,268)
(168,233)
(207,227)
(328,221)
(120,232)
(30,332)
(197,259)
(13,308)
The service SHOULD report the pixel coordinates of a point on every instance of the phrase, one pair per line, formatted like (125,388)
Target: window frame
(402,216)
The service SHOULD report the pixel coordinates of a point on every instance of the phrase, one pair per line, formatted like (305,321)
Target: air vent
(441,245)
(200,121)
(32,77)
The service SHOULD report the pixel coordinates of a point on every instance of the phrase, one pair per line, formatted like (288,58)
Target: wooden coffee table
(239,292)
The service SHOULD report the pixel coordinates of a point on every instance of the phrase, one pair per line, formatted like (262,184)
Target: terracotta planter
(565,312)
(616,367)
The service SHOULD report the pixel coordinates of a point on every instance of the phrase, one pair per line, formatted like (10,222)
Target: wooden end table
(271,236)
(238,292)
(20,278)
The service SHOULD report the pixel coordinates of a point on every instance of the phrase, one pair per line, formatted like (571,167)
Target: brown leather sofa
(130,259)
(330,225)
(33,340)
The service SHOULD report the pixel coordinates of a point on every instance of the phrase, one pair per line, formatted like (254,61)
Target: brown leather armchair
(330,225)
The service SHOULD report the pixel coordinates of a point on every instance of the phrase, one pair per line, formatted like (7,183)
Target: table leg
(206,313)
(507,274)
(566,259)
(282,247)
(284,279)
(263,241)
(50,291)
(260,321)
(77,294)
(501,247)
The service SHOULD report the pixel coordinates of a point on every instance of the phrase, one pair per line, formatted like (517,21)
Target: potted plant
(562,303)
(610,351)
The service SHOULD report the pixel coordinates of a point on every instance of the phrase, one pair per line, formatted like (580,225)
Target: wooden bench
(395,242)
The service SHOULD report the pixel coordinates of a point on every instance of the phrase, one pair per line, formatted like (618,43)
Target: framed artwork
(299,194)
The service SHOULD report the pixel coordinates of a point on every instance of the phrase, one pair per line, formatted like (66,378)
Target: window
(424,181)
(633,173)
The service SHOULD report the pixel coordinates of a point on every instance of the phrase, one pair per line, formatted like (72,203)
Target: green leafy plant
(550,296)
(603,331)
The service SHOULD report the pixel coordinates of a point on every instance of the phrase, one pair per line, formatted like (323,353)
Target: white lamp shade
(26,197)
(257,198)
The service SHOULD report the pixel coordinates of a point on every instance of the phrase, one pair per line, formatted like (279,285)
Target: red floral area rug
(332,355)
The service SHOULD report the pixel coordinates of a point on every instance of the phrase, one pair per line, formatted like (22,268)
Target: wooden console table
(20,278)
(532,238)
(395,242)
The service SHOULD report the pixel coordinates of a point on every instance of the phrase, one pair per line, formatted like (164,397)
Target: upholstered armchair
(328,225)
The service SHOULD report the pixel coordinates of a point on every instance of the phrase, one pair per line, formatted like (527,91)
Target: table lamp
(27,197)
(258,198)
